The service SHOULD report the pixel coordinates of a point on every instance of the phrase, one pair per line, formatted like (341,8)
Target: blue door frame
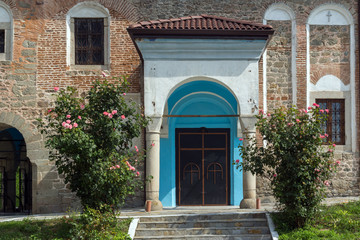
(199,98)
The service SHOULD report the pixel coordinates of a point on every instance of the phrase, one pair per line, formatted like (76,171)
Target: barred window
(89,41)
(2,41)
(335,124)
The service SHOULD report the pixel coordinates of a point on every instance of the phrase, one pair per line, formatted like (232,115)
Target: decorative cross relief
(329,15)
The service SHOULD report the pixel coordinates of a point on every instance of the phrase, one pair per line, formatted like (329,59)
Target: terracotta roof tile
(203,22)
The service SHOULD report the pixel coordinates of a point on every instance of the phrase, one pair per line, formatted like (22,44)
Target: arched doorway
(201,143)
(15,172)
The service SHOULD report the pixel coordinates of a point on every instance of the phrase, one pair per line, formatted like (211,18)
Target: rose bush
(90,140)
(294,158)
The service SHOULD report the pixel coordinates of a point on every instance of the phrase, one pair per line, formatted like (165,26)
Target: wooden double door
(202,166)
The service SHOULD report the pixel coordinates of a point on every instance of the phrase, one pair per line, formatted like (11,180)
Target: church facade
(201,69)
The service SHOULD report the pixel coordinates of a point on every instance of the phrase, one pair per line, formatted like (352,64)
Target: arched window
(5,32)
(88,36)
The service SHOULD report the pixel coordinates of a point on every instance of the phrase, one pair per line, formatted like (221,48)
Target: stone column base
(156,205)
(248,203)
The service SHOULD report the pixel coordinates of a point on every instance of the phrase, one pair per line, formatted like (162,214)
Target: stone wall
(330,52)
(279,86)
(344,183)
(39,64)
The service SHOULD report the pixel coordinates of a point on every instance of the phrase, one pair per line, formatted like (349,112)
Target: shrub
(90,139)
(295,159)
(98,224)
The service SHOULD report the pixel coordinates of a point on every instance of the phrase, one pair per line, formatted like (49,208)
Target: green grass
(43,229)
(336,222)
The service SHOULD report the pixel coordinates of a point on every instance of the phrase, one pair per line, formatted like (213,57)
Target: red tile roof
(202,22)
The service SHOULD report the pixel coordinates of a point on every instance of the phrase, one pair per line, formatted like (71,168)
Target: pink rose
(137,173)
(241,139)
(327,183)
(322,136)
(117,166)
(305,111)
(122,116)
(68,116)
(63,124)
(49,110)
(68,121)
(75,125)
(79,117)
(56,89)
(114,112)
(309,108)
(124,94)
(321,110)
(289,124)
(330,150)
(326,135)
(334,145)
(110,115)
(132,168)
(153,144)
(327,110)
(268,114)
(338,162)
(297,120)
(105,113)
(82,106)
(70,126)
(275,175)
(237,161)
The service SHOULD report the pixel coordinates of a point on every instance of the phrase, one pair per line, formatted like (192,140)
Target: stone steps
(246,222)
(205,226)
(212,237)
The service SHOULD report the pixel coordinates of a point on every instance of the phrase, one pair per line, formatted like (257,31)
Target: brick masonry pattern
(39,64)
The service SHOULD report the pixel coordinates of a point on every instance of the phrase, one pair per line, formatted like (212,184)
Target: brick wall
(39,64)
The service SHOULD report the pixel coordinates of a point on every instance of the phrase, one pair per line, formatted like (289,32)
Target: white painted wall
(169,63)
(163,77)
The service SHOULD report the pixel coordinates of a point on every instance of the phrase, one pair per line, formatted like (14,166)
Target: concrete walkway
(140,212)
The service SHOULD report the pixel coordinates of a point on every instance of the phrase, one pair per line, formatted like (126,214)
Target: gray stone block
(28,52)
(29,44)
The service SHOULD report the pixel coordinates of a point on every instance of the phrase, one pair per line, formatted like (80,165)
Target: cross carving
(329,15)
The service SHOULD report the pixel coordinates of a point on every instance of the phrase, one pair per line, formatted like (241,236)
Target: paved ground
(138,212)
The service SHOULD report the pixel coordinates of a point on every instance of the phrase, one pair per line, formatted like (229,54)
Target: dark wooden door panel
(202,166)
(215,177)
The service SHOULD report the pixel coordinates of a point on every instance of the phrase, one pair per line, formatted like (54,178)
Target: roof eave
(199,33)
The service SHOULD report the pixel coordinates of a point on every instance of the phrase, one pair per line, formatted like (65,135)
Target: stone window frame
(338,95)
(6,23)
(87,10)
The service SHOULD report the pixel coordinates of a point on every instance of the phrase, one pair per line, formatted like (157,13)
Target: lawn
(338,222)
(59,228)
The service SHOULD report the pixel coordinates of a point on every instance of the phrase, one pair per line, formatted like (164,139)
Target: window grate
(2,41)
(335,124)
(89,41)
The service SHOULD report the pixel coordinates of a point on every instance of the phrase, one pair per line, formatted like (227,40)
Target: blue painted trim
(200,98)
